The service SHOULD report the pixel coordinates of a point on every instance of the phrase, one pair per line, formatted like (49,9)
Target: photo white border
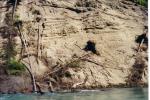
(148,50)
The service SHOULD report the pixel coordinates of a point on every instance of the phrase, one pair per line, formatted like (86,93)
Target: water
(110,94)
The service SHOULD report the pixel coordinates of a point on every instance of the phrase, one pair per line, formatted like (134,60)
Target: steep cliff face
(82,43)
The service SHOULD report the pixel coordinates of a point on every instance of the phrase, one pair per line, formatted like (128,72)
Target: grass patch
(15,67)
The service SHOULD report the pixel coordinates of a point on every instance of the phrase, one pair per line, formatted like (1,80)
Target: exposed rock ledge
(65,60)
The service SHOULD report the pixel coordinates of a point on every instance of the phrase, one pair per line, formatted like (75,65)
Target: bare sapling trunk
(30,64)
(14,8)
(38,45)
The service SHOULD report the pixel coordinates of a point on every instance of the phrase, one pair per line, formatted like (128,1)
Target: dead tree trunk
(23,40)
(14,8)
(38,45)
(141,43)
(32,78)
(22,37)
(51,87)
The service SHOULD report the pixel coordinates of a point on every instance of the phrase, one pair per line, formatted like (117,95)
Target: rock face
(58,31)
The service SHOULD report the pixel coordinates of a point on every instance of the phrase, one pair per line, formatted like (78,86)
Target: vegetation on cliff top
(142,2)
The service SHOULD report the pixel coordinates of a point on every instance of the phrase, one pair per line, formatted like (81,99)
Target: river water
(109,94)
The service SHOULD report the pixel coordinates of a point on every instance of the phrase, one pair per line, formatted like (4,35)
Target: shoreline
(77,90)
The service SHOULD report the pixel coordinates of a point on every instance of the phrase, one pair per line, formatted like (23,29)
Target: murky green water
(110,94)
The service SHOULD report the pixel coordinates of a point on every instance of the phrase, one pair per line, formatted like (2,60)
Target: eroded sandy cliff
(59,34)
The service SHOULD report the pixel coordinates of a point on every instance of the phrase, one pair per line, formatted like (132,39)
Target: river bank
(26,88)
(111,94)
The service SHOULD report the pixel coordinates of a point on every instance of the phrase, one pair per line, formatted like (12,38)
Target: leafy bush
(143,2)
(16,17)
(15,67)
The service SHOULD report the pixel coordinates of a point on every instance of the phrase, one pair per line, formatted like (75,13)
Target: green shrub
(15,72)
(16,17)
(143,2)
(15,67)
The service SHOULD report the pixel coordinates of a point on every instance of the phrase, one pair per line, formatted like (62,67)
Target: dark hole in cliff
(18,23)
(38,19)
(91,47)
(75,10)
(67,74)
(140,38)
(37,12)
(12,2)
(86,3)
